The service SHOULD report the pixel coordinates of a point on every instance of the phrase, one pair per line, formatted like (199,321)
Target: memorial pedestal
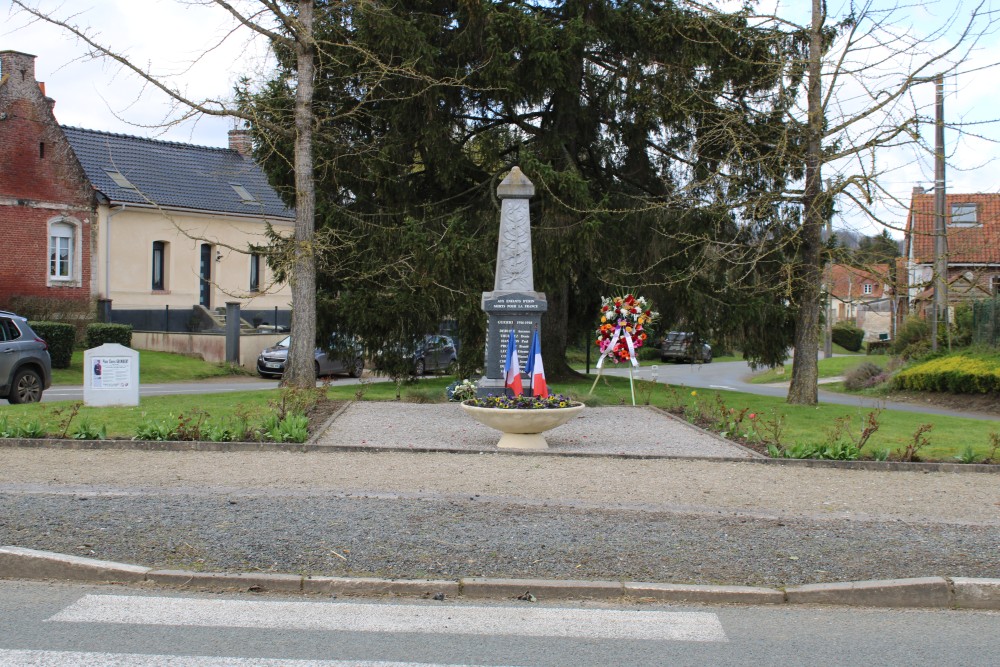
(506,310)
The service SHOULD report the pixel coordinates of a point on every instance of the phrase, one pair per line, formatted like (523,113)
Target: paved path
(630,431)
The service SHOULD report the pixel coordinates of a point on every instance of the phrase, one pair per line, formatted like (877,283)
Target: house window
(61,247)
(964,214)
(254,272)
(159,265)
(244,194)
(869,288)
(996,285)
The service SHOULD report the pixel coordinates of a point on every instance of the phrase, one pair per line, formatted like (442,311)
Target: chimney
(239,141)
(17,71)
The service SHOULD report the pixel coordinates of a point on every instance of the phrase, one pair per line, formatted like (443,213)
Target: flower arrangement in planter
(522,419)
(550,402)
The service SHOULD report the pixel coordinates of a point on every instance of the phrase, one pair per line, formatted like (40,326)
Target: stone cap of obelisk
(514,272)
(516,186)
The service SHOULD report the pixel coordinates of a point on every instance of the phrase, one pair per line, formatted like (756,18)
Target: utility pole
(940,222)
(828,333)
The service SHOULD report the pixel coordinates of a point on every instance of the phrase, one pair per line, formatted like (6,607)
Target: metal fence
(986,321)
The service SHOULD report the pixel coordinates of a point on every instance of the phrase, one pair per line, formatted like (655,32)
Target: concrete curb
(307,447)
(921,592)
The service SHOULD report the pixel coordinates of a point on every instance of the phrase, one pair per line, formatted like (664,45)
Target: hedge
(957,374)
(848,336)
(60,339)
(99,334)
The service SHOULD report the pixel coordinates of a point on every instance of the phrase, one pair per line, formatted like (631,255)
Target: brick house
(47,205)
(862,296)
(162,230)
(972,229)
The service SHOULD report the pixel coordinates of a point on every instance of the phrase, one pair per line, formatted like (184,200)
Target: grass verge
(828,368)
(800,424)
(154,368)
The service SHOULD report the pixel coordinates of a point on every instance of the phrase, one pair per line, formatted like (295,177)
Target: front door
(205,272)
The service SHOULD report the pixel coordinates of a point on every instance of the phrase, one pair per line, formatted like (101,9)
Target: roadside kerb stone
(704,594)
(976,593)
(362,586)
(916,592)
(21,563)
(960,592)
(278,583)
(480,587)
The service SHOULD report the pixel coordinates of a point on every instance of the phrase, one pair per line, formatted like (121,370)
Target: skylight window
(244,194)
(120,180)
(964,214)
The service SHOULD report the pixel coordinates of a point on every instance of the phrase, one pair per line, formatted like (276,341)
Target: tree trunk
(554,334)
(299,370)
(808,273)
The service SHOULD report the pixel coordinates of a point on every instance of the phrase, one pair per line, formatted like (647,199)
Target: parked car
(434,353)
(25,364)
(271,362)
(683,346)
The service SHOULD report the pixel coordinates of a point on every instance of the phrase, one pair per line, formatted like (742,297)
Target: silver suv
(25,365)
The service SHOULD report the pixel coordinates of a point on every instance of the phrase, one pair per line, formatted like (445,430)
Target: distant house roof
(972,224)
(848,282)
(128,169)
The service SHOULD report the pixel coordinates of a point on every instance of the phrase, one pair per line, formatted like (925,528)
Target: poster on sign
(111,375)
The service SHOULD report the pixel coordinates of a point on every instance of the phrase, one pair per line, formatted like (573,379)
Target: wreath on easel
(622,331)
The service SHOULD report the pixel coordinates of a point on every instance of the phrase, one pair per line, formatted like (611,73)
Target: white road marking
(365,617)
(82,659)
(721,386)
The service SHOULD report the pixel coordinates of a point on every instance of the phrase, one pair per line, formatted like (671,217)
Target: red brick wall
(24,254)
(37,184)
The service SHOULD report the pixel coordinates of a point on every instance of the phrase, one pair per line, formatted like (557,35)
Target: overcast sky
(167,35)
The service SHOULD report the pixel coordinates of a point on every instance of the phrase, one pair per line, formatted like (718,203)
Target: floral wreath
(622,329)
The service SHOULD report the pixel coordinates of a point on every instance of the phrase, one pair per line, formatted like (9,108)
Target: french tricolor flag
(535,370)
(512,368)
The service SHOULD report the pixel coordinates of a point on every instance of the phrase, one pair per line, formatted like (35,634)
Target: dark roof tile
(174,175)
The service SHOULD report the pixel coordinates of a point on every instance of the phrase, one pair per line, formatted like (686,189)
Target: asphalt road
(59,625)
(75,393)
(732,375)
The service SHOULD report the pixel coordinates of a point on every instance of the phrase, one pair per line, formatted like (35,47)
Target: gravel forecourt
(415,514)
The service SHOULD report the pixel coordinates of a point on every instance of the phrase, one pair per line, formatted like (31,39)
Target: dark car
(434,353)
(25,365)
(271,362)
(683,346)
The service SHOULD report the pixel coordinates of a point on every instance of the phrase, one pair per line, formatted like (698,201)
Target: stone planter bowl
(522,429)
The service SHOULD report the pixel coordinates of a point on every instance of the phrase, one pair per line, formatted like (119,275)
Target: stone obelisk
(513,303)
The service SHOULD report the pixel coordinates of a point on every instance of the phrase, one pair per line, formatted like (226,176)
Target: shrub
(860,377)
(99,333)
(879,346)
(848,336)
(957,373)
(50,309)
(60,338)
(913,340)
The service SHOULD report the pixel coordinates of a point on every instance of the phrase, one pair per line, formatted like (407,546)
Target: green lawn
(154,368)
(828,368)
(121,422)
(802,424)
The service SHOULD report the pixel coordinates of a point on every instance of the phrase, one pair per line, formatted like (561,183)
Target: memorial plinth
(513,303)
